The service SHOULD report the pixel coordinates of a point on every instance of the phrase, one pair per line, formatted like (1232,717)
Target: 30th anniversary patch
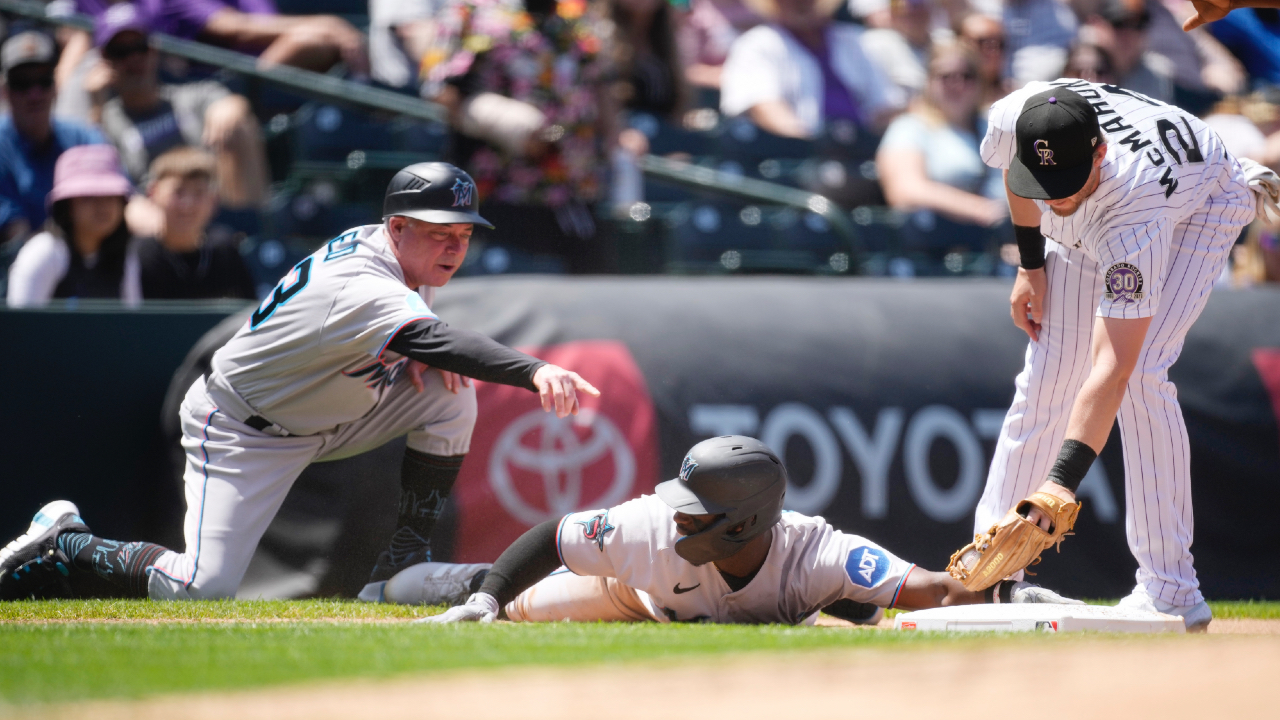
(1124,283)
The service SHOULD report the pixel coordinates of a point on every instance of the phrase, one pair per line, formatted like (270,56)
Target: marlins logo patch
(687,467)
(596,528)
(1124,283)
(867,566)
(463,193)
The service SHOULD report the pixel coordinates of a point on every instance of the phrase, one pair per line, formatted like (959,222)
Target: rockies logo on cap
(1046,155)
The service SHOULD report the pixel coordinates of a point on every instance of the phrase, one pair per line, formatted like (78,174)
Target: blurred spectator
(901,50)
(1090,62)
(400,34)
(929,159)
(525,85)
(85,250)
(1250,126)
(1257,260)
(801,70)
(706,34)
(1200,63)
(182,263)
(314,42)
(146,118)
(984,34)
(1121,27)
(648,59)
(1253,36)
(1038,33)
(31,139)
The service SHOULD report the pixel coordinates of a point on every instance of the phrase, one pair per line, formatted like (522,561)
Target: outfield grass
(69,650)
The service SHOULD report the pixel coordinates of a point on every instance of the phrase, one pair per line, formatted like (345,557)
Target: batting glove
(1025,592)
(480,607)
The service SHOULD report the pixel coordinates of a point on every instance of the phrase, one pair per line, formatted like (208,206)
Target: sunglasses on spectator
(989,43)
(957,77)
(1137,24)
(23,83)
(122,51)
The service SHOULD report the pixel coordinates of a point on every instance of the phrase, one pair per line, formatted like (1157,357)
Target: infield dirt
(1167,677)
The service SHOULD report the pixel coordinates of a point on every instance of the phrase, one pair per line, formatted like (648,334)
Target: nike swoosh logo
(680,591)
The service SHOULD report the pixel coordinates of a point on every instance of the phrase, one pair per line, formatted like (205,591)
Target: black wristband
(1074,461)
(1030,246)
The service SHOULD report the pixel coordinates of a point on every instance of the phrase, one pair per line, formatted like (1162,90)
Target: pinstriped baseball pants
(1159,524)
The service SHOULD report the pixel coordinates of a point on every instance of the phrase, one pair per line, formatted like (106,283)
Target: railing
(336,90)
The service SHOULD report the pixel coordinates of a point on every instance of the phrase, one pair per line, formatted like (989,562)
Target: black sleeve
(530,558)
(467,353)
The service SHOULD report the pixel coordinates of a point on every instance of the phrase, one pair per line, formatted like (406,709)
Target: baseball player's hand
(1036,517)
(453,382)
(558,389)
(1207,11)
(480,607)
(1026,303)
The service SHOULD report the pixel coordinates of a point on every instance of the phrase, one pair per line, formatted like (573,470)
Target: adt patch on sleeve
(866,566)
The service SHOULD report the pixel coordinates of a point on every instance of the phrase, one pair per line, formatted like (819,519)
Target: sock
(122,564)
(425,484)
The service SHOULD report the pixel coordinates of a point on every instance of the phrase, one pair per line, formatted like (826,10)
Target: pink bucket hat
(88,171)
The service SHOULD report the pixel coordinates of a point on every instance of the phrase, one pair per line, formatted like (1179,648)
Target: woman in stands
(85,250)
(928,158)
(802,70)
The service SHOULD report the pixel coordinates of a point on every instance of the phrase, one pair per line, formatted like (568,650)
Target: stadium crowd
(114,161)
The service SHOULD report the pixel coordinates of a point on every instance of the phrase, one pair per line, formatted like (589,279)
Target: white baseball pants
(237,477)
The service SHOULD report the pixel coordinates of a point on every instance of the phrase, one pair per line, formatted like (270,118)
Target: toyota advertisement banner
(884,399)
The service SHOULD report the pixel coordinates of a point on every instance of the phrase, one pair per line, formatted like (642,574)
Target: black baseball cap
(1056,134)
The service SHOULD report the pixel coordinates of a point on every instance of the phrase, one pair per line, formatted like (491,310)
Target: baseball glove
(1013,543)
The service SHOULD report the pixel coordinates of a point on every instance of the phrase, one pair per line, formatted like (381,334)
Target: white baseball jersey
(313,355)
(810,565)
(1161,164)
(1151,241)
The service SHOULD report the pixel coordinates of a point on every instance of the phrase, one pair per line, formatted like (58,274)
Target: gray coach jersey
(810,565)
(313,355)
(1162,163)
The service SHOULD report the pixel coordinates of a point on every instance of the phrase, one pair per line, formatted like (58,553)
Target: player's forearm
(467,353)
(532,557)
(925,589)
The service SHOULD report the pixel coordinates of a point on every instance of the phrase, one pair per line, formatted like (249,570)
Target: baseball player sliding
(1141,203)
(328,366)
(727,554)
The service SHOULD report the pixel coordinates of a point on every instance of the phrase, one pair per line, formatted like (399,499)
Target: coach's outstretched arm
(470,354)
(532,557)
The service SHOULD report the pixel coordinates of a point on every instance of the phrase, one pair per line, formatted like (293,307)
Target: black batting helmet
(734,475)
(435,192)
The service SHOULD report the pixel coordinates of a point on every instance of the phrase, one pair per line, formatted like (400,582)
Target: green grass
(82,654)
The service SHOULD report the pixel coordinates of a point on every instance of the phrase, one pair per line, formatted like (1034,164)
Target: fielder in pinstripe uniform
(1140,203)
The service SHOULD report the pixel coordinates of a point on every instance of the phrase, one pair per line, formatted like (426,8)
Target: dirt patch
(1168,677)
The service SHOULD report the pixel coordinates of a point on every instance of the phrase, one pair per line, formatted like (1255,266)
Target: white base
(1043,617)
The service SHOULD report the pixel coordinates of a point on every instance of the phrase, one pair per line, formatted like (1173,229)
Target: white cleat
(1196,617)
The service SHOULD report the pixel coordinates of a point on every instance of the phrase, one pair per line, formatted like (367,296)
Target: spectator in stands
(984,35)
(901,51)
(31,139)
(647,57)
(1201,65)
(928,158)
(1120,27)
(534,122)
(1037,33)
(313,42)
(146,118)
(1250,126)
(1089,62)
(85,250)
(400,34)
(182,264)
(706,34)
(801,70)
(1256,261)
(1253,36)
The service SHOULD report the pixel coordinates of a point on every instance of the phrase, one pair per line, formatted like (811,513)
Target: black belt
(257,422)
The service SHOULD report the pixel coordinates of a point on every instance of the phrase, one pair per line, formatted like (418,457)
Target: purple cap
(117,19)
(88,171)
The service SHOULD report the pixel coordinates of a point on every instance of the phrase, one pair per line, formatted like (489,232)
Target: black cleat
(33,561)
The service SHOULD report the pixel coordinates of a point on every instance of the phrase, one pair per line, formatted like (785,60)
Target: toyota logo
(561,457)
